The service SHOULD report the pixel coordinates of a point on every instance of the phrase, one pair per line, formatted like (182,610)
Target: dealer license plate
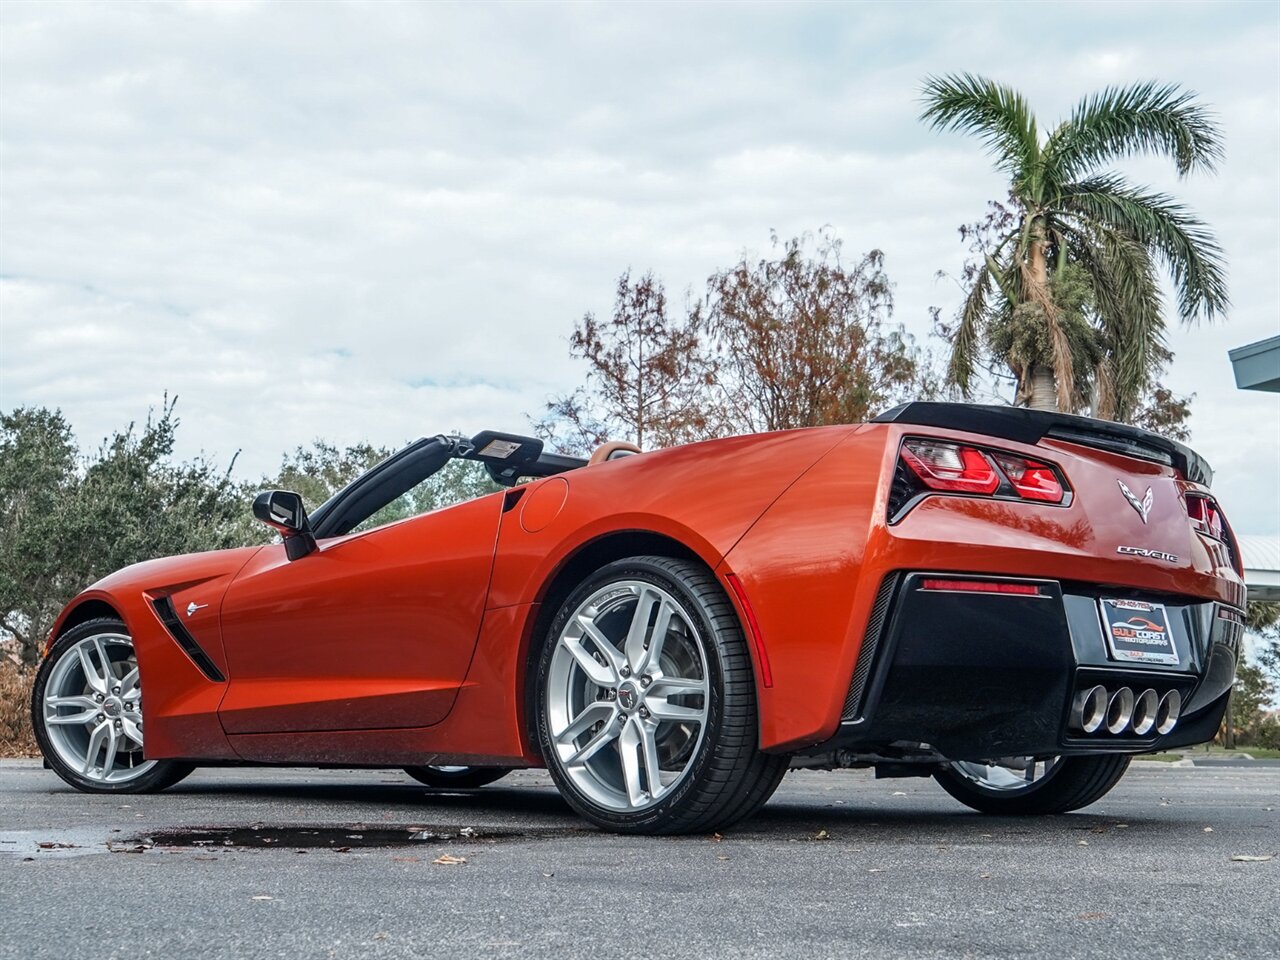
(1138,632)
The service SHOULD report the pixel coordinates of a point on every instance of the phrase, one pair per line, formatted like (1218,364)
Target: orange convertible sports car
(1010,601)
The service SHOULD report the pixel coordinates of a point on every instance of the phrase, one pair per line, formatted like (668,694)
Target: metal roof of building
(1260,555)
(1257,365)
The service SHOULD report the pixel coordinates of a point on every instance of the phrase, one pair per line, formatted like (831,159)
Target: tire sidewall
(1044,796)
(649,572)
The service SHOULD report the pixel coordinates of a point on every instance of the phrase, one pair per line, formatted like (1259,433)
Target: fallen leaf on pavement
(449,860)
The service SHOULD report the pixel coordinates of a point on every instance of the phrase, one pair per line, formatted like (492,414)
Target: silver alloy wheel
(93,709)
(627,695)
(1007,775)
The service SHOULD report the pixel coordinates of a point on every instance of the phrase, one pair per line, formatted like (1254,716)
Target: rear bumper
(975,676)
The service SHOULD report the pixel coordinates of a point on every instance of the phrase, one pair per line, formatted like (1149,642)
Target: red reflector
(982,586)
(949,466)
(753,627)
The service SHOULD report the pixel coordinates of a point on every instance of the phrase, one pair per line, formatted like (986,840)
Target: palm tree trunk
(1043,392)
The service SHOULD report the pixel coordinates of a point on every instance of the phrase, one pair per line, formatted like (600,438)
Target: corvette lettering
(1144,552)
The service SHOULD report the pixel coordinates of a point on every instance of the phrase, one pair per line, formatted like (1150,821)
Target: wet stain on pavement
(49,844)
(343,838)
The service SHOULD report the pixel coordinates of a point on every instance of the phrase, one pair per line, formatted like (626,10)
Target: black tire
(1074,783)
(457,778)
(728,778)
(164,774)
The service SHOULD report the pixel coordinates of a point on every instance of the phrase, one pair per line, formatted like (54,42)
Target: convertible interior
(508,458)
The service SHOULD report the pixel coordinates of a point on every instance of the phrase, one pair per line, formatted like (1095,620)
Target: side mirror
(283,511)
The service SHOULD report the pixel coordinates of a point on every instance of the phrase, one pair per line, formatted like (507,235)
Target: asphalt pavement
(259,863)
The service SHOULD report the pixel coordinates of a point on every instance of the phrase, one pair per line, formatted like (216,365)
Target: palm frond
(1128,301)
(966,343)
(996,114)
(1144,118)
(1163,225)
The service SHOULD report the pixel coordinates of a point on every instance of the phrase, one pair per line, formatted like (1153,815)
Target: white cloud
(378,220)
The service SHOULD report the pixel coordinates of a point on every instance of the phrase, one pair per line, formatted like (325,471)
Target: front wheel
(457,778)
(646,708)
(1014,786)
(86,709)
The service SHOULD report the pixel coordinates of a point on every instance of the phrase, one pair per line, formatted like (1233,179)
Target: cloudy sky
(376,221)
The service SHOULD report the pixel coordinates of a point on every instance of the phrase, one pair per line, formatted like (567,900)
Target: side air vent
(169,617)
(867,655)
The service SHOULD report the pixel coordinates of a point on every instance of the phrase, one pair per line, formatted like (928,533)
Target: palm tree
(1066,291)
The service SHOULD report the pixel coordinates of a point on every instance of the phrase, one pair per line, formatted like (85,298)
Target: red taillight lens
(1033,480)
(1205,516)
(927,465)
(950,466)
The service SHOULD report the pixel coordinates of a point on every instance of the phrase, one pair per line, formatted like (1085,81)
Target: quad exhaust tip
(1144,712)
(1090,709)
(1169,711)
(1120,710)
(1124,711)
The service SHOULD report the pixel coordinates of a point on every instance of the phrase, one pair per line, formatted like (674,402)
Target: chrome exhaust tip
(1120,710)
(1169,711)
(1144,712)
(1089,709)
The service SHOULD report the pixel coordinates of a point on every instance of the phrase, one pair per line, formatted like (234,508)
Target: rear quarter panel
(705,496)
(811,567)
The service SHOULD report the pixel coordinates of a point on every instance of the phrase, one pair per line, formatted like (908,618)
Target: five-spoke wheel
(646,697)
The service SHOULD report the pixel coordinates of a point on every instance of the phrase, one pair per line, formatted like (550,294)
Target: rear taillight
(1205,516)
(1032,479)
(940,466)
(949,466)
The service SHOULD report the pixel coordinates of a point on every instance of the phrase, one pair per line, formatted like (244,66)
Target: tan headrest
(613,450)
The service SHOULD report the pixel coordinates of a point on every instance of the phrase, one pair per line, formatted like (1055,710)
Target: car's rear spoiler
(1031,426)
